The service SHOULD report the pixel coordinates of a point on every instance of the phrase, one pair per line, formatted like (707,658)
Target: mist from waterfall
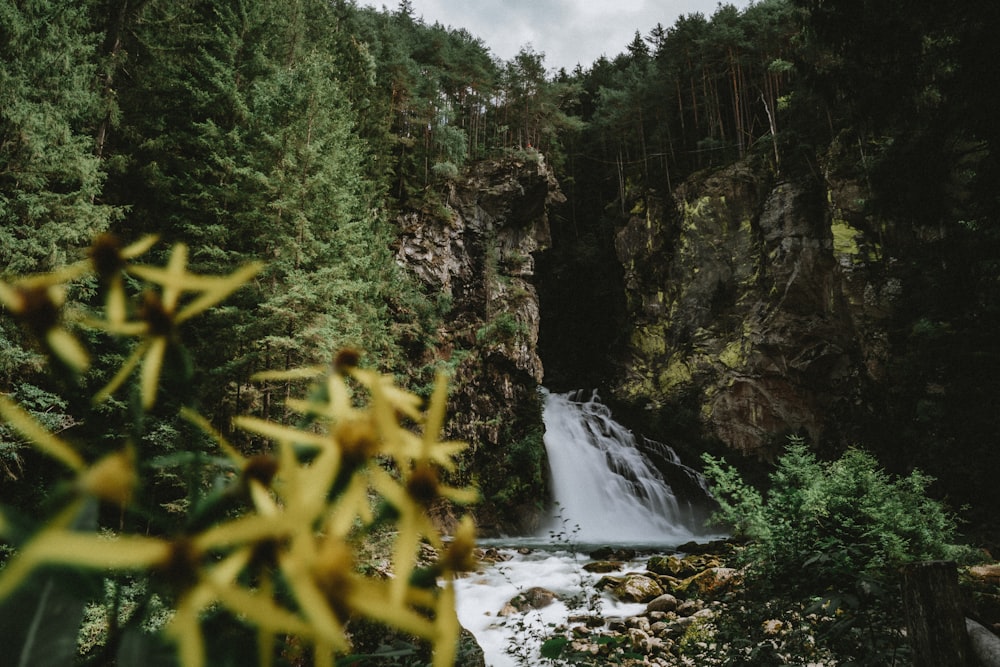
(606,489)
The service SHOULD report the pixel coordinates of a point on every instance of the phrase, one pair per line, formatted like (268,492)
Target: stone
(660,629)
(638,639)
(638,623)
(637,588)
(613,553)
(689,607)
(535,597)
(708,583)
(681,566)
(599,566)
(663,603)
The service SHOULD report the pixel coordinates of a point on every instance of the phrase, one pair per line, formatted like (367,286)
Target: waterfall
(606,488)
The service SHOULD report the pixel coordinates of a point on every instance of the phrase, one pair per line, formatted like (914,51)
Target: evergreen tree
(50,177)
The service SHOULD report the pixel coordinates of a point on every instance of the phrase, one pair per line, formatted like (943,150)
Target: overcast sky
(566,31)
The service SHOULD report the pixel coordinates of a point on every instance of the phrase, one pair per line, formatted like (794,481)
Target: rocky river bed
(610,605)
(622,606)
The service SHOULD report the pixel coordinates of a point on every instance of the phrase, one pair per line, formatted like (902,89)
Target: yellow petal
(123,373)
(436,410)
(404,552)
(261,611)
(262,499)
(57,546)
(448,629)
(185,630)
(306,373)
(115,305)
(198,420)
(465,496)
(140,247)
(247,529)
(11,298)
(313,604)
(68,348)
(281,433)
(26,425)
(113,478)
(57,277)
(150,373)
(172,282)
(314,483)
(228,285)
(371,599)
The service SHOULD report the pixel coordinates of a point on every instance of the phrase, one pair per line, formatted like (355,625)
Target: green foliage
(526,456)
(829,538)
(504,328)
(830,525)
(49,173)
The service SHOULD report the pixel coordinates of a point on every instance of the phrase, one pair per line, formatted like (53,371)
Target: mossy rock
(637,588)
(708,584)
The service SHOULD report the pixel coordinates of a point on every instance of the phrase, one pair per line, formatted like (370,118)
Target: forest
(263,153)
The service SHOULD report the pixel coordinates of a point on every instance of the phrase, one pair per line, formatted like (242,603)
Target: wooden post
(935,622)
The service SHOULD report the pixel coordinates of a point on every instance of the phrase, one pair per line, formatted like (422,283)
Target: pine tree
(50,177)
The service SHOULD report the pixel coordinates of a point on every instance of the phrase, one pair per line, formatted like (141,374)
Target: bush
(828,539)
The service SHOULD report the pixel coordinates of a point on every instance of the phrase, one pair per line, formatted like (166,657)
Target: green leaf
(552,647)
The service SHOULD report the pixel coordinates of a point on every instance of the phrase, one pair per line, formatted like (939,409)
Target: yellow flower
(37,303)
(162,313)
(37,300)
(113,478)
(320,569)
(109,259)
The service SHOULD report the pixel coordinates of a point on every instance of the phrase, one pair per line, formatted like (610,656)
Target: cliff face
(756,304)
(476,253)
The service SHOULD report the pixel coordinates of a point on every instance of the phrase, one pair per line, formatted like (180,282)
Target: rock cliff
(756,303)
(475,252)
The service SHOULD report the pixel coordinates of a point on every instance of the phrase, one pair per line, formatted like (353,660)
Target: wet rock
(601,566)
(535,597)
(689,607)
(681,566)
(637,588)
(663,603)
(613,553)
(708,583)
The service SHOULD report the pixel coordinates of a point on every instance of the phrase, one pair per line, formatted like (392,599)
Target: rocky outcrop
(474,252)
(755,301)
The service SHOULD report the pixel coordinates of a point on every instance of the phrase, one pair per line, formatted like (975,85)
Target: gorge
(762,233)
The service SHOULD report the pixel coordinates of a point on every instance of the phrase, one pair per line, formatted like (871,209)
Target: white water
(607,493)
(605,489)
(479,598)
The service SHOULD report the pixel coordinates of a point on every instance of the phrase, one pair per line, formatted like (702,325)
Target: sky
(567,32)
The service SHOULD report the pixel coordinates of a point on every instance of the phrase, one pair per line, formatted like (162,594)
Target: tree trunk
(934,620)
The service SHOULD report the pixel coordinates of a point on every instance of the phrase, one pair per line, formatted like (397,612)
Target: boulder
(601,566)
(707,584)
(535,597)
(612,553)
(665,602)
(637,588)
(682,567)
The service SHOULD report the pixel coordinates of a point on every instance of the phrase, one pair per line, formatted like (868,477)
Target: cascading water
(606,489)
(610,488)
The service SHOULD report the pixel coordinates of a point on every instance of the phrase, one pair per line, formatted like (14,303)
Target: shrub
(824,524)
(828,538)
